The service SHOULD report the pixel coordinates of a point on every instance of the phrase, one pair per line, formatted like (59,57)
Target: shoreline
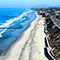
(20,36)
(24,46)
(12,45)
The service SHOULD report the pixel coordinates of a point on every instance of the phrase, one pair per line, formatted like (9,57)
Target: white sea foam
(23,18)
(10,21)
(30,11)
(3,32)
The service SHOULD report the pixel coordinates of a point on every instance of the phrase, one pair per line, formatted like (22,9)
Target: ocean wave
(2,32)
(10,21)
(23,18)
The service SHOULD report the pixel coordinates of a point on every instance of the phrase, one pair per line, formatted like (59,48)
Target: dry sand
(31,45)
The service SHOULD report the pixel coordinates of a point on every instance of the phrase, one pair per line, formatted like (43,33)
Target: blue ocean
(13,21)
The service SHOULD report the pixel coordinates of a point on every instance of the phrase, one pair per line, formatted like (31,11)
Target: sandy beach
(31,45)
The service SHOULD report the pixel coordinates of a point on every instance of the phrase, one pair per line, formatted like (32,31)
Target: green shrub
(55,51)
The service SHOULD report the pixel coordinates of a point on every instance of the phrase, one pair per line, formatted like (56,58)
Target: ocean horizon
(13,21)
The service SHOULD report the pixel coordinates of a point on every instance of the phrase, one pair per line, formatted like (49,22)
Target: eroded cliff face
(54,37)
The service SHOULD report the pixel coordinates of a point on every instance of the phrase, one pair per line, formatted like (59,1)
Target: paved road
(55,21)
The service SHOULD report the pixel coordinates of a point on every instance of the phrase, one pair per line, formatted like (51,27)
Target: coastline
(24,47)
(12,45)
(19,37)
